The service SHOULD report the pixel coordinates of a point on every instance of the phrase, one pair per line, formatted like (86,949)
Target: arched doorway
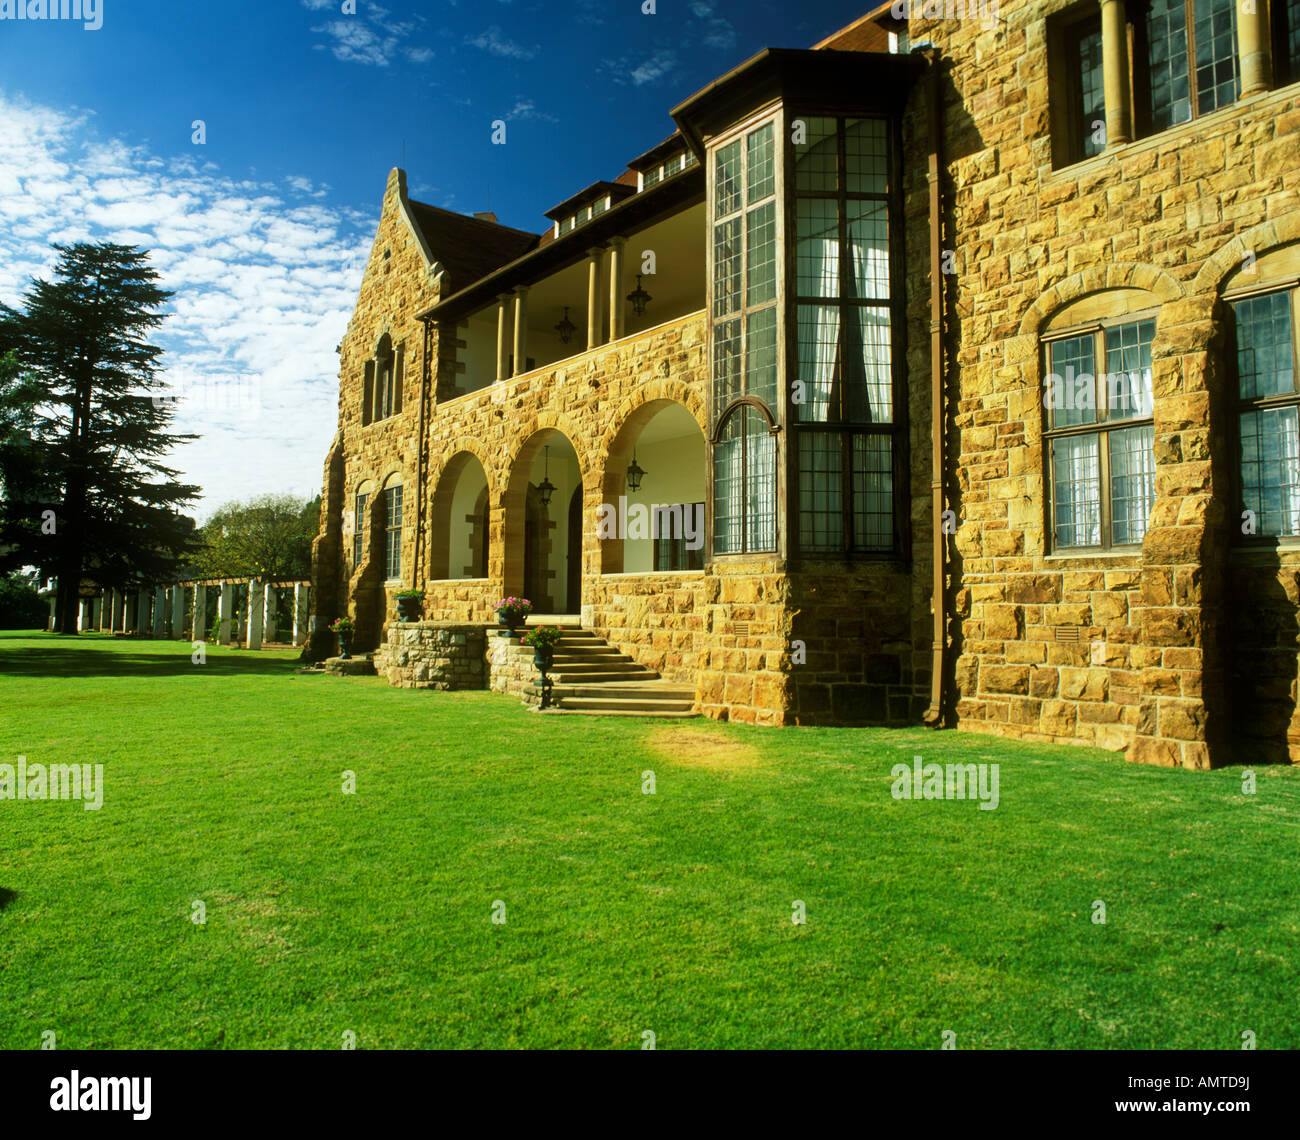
(543,550)
(459,520)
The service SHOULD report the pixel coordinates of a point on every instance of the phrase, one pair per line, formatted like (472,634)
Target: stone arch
(525,523)
(620,441)
(1258,239)
(448,530)
(1121,275)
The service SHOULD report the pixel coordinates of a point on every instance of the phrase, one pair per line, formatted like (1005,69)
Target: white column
(199,617)
(118,611)
(256,613)
(521,329)
(54,614)
(270,604)
(616,302)
(225,612)
(503,340)
(143,616)
(1253,48)
(1114,73)
(105,610)
(160,613)
(300,592)
(178,610)
(593,296)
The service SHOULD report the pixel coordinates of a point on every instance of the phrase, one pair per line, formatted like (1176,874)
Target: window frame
(1072,32)
(360,503)
(720,417)
(896,429)
(1290,286)
(392,555)
(1140,85)
(1098,427)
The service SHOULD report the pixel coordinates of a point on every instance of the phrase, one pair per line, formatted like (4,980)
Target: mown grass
(625,912)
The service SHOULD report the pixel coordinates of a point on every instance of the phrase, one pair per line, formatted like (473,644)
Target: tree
(266,537)
(94,494)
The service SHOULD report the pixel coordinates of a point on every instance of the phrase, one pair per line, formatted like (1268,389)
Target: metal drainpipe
(934,715)
(422,460)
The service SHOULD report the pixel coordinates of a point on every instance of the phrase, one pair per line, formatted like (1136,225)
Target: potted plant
(344,628)
(543,639)
(409,604)
(512,613)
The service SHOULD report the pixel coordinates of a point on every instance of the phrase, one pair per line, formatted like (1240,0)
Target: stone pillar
(178,610)
(503,341)
(1114,59)
(270,603)
(256,613)
(1253,54)
(160,613)
(521,329)
(199,617)
(593,296)
(81,614)
(616,303)
(54,614)
(299,612)
(143,613)
(118,611)
(105,611)
(225,612)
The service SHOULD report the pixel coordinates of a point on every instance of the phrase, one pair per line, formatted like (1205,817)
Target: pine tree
(100,429)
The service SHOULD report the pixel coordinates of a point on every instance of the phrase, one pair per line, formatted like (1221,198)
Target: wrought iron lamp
(566,328)
(639,297)
(634,474)
(546,488)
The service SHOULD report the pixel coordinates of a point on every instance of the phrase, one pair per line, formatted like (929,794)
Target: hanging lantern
(566,328)
(634,474)
(639,297)
(546,488)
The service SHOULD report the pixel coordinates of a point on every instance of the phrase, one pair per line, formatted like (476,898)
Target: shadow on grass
(6,897)
(62,656)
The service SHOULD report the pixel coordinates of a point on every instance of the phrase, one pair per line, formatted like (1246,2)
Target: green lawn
(625,912)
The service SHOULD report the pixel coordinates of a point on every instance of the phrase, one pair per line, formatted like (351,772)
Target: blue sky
(263,229)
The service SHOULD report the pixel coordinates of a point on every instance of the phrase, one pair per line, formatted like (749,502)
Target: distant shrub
(20,606)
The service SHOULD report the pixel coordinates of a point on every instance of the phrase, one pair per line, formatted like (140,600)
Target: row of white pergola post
(161,612)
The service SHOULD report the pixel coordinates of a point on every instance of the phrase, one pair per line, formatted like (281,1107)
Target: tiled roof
(468,248)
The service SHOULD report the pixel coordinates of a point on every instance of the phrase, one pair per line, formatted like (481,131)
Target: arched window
(360,524)
(744,484)
(1099,439)
(382,389)
(393,529)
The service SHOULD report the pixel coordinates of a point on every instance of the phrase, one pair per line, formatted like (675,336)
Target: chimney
(485,216)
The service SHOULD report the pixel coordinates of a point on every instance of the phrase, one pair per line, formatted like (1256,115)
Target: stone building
(970,334)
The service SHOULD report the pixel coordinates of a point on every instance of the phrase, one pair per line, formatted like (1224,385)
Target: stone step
(618,712)
(599,665)
(570,678)
(656,690)
(626,704)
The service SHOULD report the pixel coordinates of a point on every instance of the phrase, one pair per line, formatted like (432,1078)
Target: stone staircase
(593,678)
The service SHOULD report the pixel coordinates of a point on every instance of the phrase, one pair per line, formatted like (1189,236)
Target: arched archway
(661,523)
(459,517)
(543,477)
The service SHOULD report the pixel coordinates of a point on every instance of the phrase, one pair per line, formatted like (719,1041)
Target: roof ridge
(471,218)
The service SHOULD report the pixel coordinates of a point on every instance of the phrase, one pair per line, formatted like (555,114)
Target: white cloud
(264,276)
(368,36)
(639,73)
(493,43)
(526,109)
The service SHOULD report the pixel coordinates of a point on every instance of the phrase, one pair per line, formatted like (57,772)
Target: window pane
(1270,469)
(359,520)
(866,168)
(1265,356)
(760,242)
(1216,53)
(867,377)
(652,176)
(760,177)
(744,485)
(817,248)
(726,363)
(1076,490)
(1167,63)
(1132,483)
(394,552)
(760,484)
(1128,370)
(1092,102)
(873,492)
(728,489)
(819,331)
(821,489)
(1070,388)
(726,180)
(869,250)
(760,356)
(815,159)
(727,263)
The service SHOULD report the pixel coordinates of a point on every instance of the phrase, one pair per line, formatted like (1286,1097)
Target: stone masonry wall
(434,655)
